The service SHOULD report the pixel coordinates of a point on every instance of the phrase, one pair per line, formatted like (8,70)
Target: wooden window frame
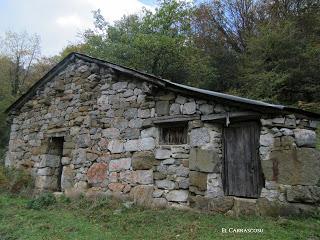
(182,126)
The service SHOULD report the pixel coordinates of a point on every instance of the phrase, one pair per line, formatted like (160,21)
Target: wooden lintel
(221,116)
(175,118)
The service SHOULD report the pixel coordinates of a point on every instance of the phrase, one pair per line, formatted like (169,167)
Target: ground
(111,220)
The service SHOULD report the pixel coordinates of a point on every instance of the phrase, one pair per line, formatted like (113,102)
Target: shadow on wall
(4,136)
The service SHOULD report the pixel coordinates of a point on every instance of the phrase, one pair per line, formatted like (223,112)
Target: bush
(42,201)
(15,181)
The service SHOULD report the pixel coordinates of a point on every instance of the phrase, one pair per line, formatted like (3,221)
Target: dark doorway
(56,148)
(242,174)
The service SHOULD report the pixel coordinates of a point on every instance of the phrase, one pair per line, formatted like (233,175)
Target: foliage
(268,50)
(107,221)
(15,181)
(22,49)
(42,201)
(20,66)
(157,42)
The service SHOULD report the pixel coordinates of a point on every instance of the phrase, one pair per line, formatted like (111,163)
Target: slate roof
(164,83)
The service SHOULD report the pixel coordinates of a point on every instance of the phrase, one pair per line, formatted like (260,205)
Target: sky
(58,22)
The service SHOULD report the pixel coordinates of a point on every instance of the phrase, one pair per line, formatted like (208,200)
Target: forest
(261,49)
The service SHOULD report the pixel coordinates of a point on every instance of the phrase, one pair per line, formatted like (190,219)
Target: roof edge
(160,82)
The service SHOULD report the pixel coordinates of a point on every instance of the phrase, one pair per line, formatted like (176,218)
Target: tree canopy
(262,49)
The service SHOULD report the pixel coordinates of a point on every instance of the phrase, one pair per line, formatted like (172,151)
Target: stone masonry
(111,145)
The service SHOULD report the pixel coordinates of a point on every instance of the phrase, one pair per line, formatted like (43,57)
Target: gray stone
(162,108)
(181,100)
(219,108)
(111,133)
(183,182)
(144,113)
(67,178)
(305,138)
(144,176)
(47,160)
(174,109)
(189,108)
(214,185)
(132,145)
(128,93)
(177,196)
(206,108)
(147,144)
(119,164)
(119,86)
(65,160)
(135,123)
(47,171)
(131,113)
(168,161)
(149,132)
(84,141)
(199,136)
(165,184)
(159,175)
(120,123)
(286,131)
(157,193)
(162,154)
(266,140)
(182,171)
(116,146)
(279,120)
(203,160)
(130,133)
(290,122)
(180,155)
(79,156)
(266,122)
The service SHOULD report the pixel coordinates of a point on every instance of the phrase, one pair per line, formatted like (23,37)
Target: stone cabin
(92,126)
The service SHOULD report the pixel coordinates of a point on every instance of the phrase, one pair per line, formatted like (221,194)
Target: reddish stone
(97,173)
(116,187)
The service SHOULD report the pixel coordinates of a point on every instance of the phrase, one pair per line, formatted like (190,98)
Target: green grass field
(103,219)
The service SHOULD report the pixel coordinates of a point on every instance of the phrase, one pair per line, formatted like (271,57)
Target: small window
(173,135)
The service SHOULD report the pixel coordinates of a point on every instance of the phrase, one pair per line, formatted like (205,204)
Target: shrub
(42,201)
(15,181)
(64,199)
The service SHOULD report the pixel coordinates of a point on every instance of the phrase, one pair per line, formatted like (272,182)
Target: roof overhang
(162,83)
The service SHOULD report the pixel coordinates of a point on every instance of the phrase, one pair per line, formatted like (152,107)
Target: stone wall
(111,144)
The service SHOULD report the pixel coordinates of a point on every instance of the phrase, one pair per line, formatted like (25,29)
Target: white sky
(58,21)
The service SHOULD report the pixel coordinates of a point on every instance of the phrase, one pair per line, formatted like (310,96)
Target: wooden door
(242,174)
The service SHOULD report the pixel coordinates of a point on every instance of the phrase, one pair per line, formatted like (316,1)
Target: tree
(23,50)
(281,63)
(157,42)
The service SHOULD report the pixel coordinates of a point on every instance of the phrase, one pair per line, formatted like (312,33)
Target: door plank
(242,168)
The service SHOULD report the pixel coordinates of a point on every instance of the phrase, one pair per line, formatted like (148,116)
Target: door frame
(224,169)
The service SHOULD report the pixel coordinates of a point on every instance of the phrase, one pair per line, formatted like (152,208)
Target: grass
(107,219)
